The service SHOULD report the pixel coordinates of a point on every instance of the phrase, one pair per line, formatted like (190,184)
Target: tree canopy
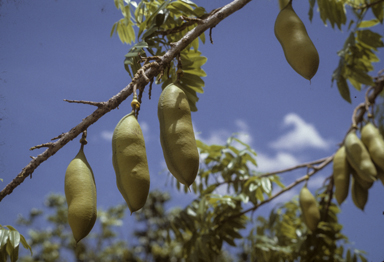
(164,38)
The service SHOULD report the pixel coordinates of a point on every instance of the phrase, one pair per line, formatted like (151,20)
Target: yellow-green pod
(359,194)
(364,184)
(129,159)
(298,48)
(380,174)
(341,175)
(283,3)
(176,135)
(374,142)
(359,158)
(80,192)
(309,209)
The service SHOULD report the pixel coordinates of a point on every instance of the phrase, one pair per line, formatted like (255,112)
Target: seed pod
(358,157)
(341,174)
(298,48)
(309,209)
(80,192)
(364,184)
(372,139)
(130,162)
(359,194)
(176,135)
(283,3)
(380,174)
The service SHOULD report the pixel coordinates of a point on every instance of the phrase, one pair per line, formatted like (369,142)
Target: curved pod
(309,209)
(341,175)
(298,48)
(374,142)
(80,193)
(176,135)
(130,162)
(359,158)
(359,194)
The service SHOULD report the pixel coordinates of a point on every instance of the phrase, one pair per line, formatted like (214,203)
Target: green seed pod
(80,192)
(372,139)
(364,184)
(176,135)
(359,194)
(358,157)
(309,209)
(283,3)
(341,174)
(380,174)
(130,162)
(298,48)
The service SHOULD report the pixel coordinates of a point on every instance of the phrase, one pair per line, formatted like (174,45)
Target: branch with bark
(140,80)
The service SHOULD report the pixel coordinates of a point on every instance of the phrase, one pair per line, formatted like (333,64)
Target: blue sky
(55,50)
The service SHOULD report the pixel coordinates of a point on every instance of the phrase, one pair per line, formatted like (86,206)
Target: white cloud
(106,135)
(303,135)
(220,136)
(280,161)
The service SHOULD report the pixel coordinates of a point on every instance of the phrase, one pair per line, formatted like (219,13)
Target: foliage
(10,240)
(215,218)
(201,230)
(160,23)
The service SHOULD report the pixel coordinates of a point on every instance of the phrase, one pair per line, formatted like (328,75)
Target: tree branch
(292,185)
(140,79)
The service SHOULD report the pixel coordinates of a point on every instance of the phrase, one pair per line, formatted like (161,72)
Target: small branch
(366,6)
(98,104)
(58,137)
(292,185)
(49,144)
(309,164)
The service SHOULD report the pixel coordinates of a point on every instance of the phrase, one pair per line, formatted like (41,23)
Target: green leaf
(266,185)
(378,11)
(361,76)
(370,38)
(13,237)
(343,89)
(368,23)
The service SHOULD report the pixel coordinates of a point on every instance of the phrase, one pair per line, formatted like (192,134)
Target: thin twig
(98,104)
(49,144)
(292,185)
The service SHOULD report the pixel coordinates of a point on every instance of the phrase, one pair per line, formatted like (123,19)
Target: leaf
(368,23)
(370,38)
(311,6)
(333,11)
(13,236)
(343,89)
(266,185)
(378,11)
(360,76)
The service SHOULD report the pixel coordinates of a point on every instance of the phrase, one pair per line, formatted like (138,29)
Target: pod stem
(368,104)
(360,106)
(83,139)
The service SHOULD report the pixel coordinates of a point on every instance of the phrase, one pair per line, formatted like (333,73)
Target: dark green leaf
(378,11)
(343,89)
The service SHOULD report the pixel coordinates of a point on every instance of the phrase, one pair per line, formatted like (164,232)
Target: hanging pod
(298,48)
(80,193)
(359,158)
(309,209)
(129,160)
(359,194)
(374,142)
(176,135)
(341,175)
